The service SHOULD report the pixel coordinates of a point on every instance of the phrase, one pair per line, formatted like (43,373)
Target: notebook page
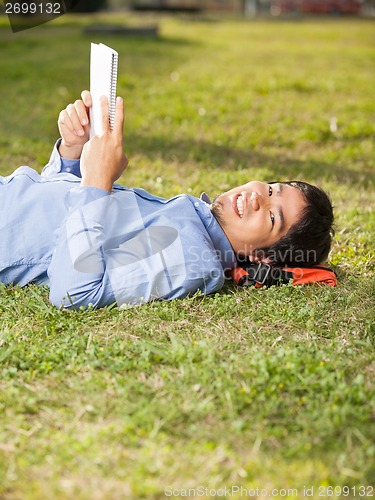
(103,81)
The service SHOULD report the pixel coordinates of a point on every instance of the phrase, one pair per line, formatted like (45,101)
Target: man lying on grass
(97,243)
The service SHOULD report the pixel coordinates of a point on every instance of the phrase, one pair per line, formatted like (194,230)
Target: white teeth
(240,205)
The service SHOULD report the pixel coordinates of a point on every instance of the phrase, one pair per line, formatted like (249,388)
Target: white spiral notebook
(103,81)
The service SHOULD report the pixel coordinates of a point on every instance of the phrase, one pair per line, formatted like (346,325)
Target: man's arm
(78,266)
(99,261)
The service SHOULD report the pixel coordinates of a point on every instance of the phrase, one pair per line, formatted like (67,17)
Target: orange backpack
(262,274)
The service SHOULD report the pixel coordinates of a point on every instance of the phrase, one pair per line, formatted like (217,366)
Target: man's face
(257,215)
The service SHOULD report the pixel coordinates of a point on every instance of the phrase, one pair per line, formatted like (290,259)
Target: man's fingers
(74,118)
(81,112)
(119,116)
(65,121)
(118,127)
(104,113)
(86,98)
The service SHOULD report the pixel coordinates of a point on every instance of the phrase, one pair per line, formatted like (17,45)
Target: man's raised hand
(103,159)
(74,126)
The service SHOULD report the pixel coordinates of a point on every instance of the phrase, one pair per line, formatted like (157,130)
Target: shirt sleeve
(77,268)
(57,164)
(96,261)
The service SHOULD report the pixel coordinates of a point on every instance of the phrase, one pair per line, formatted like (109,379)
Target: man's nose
(257,200)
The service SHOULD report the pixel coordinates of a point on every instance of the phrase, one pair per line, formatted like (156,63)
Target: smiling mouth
(239,205)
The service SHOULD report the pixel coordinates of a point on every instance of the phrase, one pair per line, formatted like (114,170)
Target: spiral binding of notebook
(112,91)
(103,81)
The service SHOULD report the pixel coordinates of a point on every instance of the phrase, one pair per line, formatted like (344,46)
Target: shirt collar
(204,197)
(219,239)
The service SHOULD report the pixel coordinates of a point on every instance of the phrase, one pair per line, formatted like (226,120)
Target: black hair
(309,240)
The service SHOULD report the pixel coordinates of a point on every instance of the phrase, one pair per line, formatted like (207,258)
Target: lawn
(269,389)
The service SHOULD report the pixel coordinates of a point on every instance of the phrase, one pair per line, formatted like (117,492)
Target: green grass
(255,388)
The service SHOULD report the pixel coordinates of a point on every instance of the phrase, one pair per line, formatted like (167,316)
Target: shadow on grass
(224,157)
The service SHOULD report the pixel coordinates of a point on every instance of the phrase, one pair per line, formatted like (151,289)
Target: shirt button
(68,169)
(196,203)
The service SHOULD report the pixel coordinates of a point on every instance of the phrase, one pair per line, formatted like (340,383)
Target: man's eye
(272,217)
(270,190)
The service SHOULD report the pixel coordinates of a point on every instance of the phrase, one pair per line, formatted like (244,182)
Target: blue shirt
(93,247)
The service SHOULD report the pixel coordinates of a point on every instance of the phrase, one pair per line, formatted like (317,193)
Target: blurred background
(245,7)
(241,7)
